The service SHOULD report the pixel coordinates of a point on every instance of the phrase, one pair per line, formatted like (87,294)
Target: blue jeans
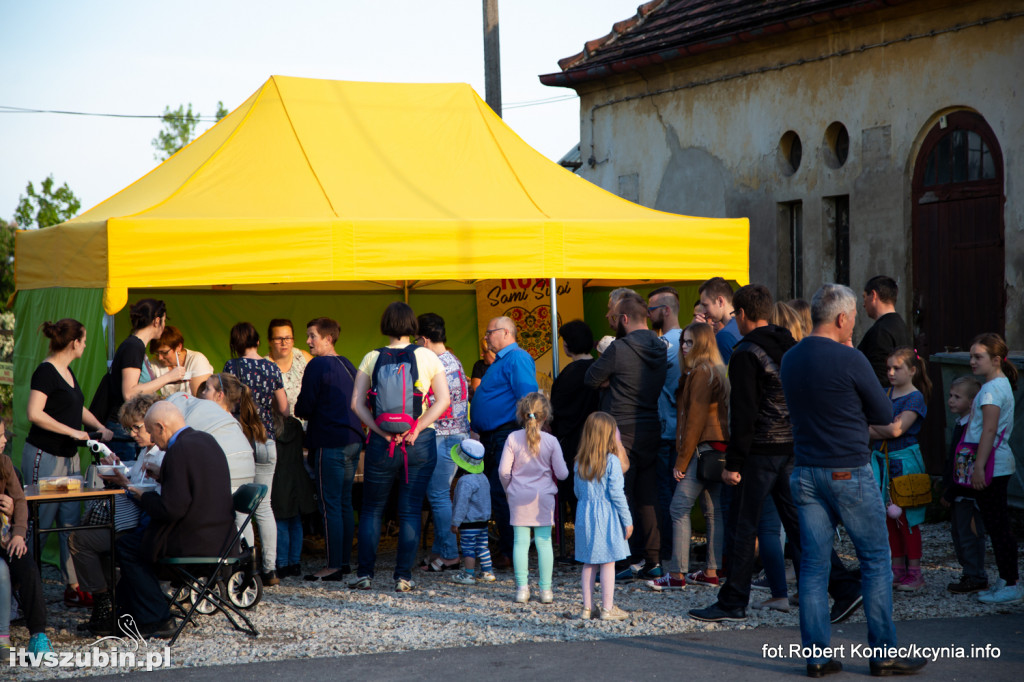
(439,493)
(334,471)
(825,497)
(380,472)
(769,542)
(289,541)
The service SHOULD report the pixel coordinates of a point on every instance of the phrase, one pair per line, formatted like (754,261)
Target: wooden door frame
(933,437)
(962,119)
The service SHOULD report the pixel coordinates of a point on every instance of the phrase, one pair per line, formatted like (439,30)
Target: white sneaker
(547,596)
(463,578)
(486,577)
(993,587)
(1008,594)
(614,613)
(522,595)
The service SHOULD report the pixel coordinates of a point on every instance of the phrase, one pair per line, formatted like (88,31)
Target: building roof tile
(666,30)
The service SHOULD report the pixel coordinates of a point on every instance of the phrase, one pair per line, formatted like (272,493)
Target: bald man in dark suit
(191,516)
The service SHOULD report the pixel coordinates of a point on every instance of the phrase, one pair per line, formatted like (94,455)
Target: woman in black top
(571,401)
(130,372)
(56,410)
(480,367)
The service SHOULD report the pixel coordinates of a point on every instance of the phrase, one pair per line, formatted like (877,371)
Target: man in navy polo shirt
(492,414)
(833,395)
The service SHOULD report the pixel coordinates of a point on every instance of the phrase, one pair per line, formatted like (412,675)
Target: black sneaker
(628,574)
(716,614)
(968,585)
(652,573)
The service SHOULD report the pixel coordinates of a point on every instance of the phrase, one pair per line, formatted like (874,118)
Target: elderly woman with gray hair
(234,397)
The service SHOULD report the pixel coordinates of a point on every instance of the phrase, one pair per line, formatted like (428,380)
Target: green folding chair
(204,576)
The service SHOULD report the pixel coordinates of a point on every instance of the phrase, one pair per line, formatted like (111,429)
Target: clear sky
(138,56)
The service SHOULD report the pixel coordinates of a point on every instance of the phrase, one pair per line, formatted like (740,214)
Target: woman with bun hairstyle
(56,410)
(131,373)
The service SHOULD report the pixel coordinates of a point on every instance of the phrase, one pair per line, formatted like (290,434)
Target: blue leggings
(474,546)
(521,555)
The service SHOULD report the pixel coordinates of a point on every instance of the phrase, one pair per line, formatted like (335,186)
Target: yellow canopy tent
(315,185)
(325,181)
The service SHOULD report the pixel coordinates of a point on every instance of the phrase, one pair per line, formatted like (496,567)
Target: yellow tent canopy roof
(322,181)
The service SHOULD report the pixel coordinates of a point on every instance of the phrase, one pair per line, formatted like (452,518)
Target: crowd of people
(761,411)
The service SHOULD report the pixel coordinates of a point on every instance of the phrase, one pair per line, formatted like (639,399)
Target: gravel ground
(297,620)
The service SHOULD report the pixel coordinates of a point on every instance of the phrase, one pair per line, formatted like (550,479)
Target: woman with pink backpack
(388,398)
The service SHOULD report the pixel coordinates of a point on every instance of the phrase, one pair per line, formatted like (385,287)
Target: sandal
(438,566)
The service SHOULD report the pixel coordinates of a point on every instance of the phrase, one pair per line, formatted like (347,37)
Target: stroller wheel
(206,606)
(243,593)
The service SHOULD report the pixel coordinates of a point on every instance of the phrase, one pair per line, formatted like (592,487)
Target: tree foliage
(47,207)
(179,129)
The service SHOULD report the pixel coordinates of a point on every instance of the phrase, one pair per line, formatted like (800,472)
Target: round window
(790,152)
(837,145)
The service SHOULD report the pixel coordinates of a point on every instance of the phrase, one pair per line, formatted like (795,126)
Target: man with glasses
(493,414)
(663,307)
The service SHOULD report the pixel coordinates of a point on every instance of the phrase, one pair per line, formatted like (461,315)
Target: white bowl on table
(111,469)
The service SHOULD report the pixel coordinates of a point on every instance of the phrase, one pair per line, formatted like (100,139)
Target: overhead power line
(6,109)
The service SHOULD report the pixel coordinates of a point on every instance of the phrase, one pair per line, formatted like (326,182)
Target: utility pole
(492,56)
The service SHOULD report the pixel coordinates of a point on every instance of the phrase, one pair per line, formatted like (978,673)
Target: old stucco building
(860,137)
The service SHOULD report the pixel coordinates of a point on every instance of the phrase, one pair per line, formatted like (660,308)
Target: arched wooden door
(958,252)
(958,259)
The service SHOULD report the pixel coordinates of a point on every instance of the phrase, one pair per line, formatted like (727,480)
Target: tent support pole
(554,375)
(108,324)
(405,290)
(554,330)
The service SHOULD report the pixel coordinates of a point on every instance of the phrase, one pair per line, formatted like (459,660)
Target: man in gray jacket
(633,369)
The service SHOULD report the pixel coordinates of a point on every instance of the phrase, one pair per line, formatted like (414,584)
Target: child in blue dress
(603,521)
(898,440)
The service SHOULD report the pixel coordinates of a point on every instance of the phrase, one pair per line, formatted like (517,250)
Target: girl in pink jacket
(530,463)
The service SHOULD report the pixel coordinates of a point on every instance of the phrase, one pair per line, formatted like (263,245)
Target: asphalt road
(725,655)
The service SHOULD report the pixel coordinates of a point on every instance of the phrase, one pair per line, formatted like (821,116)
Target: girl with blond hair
(785,315)
(530,463)
(603,521)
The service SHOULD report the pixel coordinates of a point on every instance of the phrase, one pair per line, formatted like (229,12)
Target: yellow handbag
(912,490)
